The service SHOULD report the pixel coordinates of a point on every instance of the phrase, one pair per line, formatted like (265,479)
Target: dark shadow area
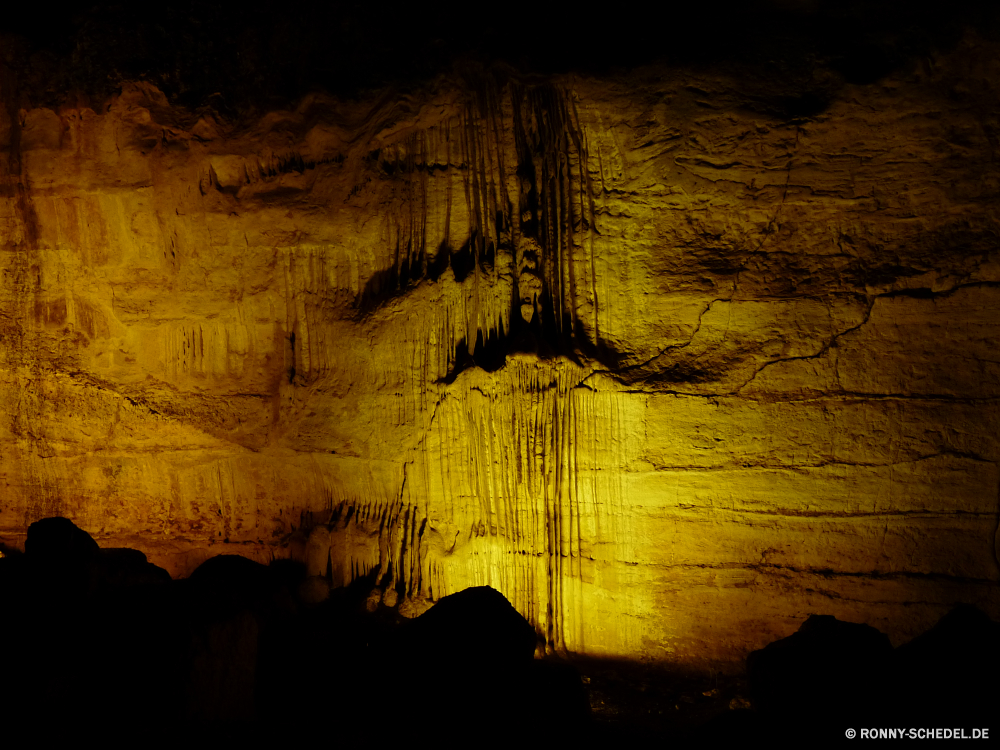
(99,638)
(241,58)
(411,266)
(833,676)
(633,702)
(809,689)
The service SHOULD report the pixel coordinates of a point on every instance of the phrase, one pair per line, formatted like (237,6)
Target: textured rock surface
(668,369)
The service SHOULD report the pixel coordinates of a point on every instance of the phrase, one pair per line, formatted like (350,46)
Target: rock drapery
(668,369)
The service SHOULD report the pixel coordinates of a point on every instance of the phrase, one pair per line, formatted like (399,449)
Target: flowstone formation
(668,368)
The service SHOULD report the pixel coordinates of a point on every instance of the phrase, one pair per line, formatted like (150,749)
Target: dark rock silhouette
(227,584)
(478,620)
(59,540)
(120,567)
(84,625)
(239,618)
(827,673)
(554,703)
(472,654)
(103,637)
(950,672)
(832,675)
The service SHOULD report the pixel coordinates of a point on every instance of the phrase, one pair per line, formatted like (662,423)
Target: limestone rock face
(669,371)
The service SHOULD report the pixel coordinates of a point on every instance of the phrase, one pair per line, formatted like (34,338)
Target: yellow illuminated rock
(669,373)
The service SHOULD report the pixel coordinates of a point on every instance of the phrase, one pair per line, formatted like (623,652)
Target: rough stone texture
(669,371)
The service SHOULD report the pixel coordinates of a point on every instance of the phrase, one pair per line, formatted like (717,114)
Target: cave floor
(636,702)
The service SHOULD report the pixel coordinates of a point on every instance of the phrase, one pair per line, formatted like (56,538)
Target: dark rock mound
(59,541)
(240,624)
(478,621)
(64,560)
(830,673)
(228,583)
(472,656)
(950,672)
(120,567)
(554,703)
(231,655)
(228,570)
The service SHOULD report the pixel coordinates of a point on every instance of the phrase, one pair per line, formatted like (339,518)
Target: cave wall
(669,369)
